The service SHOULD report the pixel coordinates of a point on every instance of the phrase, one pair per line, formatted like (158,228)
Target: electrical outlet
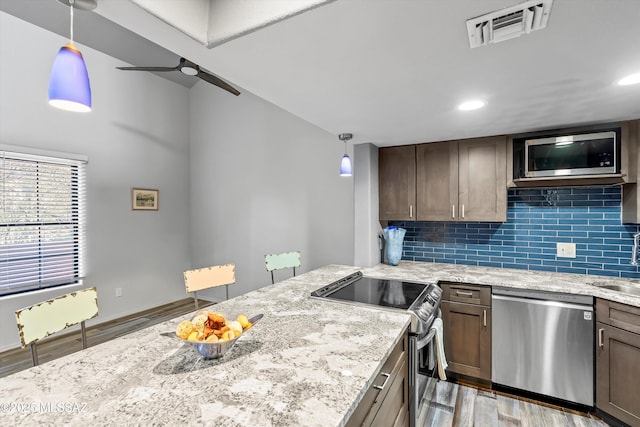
(566,250)
(118,292)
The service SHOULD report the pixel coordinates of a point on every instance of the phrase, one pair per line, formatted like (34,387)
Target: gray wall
(367,242)
(238,178)
(137,135)
(263,181)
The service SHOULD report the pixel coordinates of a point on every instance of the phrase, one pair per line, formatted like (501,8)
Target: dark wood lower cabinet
(618,361)
(394,410)
(467,338)
(386,403)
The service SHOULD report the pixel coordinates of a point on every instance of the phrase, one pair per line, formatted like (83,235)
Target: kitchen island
(307,362)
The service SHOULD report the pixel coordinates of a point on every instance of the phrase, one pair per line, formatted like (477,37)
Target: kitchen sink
(619,287)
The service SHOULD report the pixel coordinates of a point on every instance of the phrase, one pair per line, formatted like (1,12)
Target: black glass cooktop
(368,290)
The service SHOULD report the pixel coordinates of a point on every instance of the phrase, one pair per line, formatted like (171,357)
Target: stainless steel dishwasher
(542,342)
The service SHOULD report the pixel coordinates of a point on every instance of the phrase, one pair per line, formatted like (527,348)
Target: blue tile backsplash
(537,219)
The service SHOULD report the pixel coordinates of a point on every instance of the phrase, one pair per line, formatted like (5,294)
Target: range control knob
(425,311)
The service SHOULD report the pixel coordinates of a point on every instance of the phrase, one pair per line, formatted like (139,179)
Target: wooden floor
(62,344)
(459,405)
(453,404)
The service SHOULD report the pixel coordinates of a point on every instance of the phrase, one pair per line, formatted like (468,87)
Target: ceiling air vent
(508,23)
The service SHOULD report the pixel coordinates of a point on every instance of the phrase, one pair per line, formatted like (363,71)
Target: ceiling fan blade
(148,68)
(218,82)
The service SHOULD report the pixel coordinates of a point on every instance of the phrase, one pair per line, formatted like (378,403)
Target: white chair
(48,317)
(280,261)
(209,277)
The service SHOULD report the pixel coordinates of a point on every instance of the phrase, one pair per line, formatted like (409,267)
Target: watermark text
(42,407)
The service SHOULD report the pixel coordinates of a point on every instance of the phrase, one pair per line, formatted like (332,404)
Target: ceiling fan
(189,68)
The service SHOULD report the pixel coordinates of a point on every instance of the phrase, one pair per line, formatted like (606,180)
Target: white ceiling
(393,71)
(214,22)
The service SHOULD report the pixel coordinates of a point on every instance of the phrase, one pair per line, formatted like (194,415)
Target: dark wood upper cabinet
(462,180)
(444,181)
(397,182)
(437,180)
(630,195)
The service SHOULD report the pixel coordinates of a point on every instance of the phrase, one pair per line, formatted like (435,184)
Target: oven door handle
(426,340)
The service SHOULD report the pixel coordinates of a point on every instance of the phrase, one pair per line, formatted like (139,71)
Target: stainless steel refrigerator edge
(542,342)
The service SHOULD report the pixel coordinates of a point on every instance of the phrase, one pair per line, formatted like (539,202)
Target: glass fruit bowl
(215,350)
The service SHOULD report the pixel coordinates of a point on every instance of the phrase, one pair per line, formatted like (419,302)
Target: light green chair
(46,318)
(281,261)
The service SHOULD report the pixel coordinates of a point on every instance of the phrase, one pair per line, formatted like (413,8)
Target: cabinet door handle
(463,211)
(484,317)
(464,293)
(410,211)
(453,211)
(381,387)
(601,338)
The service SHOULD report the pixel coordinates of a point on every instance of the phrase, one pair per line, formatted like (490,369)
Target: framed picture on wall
(144,199)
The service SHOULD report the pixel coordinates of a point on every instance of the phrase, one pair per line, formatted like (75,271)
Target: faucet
(634,253)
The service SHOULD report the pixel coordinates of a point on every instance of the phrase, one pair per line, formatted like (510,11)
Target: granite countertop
(504,277)
(307,362)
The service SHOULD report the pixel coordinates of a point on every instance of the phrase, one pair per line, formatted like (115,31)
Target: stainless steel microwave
(581,154)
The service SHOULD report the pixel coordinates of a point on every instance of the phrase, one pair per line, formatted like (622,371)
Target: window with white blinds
(42,221)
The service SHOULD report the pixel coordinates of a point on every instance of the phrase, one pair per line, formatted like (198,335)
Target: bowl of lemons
(213,334)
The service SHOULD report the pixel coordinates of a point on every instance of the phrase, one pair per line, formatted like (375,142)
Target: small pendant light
(345,164)
(69,87)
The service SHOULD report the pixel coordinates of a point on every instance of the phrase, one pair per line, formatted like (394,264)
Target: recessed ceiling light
(629,80)
(471,105)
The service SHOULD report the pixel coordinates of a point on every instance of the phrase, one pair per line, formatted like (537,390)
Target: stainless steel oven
(422,302)
(423,375)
